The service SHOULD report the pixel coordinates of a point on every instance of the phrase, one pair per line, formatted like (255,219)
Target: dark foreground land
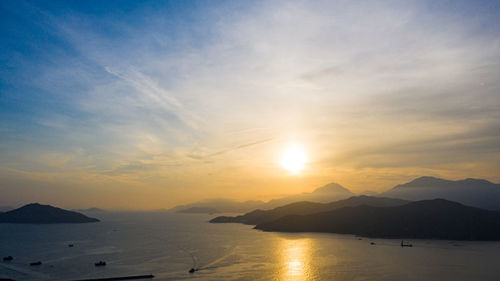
(380,218)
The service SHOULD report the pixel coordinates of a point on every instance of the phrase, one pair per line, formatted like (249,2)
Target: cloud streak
(169,101)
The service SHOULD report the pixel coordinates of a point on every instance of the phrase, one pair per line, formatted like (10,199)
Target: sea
(167,245)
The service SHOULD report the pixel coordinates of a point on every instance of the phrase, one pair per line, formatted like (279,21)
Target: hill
(305,208)
(37,213)
(472,192)
(221,205)
(429,219)
(328,193)
(199,210)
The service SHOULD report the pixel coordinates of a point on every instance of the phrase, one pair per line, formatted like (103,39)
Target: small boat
(405,245)
(71,245)
(35,263)
(8,258)
(100,263)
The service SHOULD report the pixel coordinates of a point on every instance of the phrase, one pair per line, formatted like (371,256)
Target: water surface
(167,245)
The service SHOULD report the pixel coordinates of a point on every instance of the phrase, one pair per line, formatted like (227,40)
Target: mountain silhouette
(199,210)
(428,219)
(328,193)
(305,208)
(219,205)
(37,213)
(472,192)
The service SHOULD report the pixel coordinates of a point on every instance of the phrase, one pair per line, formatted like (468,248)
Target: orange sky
(167,105)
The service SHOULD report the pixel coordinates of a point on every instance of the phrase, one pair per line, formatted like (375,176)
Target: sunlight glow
(294,158)
(296,259)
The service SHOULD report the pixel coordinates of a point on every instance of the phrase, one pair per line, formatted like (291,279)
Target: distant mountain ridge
(220,205)
(93,209)
(306,208)
(328,193)
(427,219)
(199,210)
(472,192)
(38,213)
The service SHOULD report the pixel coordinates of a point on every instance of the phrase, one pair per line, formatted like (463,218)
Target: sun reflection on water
(295,259)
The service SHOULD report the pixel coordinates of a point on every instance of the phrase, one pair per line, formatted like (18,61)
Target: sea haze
(164,243)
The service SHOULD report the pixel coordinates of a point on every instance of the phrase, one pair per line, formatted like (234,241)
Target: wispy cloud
(165,100)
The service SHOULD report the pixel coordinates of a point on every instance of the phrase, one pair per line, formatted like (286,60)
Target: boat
(35,263)
(71,245)
(405,245)
(195,263)
(8,258)
(100,263)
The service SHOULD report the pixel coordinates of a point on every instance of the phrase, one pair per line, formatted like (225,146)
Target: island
(43,214)
(426,219)
(306,208)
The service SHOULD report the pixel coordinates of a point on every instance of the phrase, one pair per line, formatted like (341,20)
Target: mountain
(306,208)
(37,213)
(199,210)
(220,205)
(328,193)
(473,192)
(429,219)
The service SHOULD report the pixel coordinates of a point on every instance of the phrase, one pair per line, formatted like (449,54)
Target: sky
(150,104)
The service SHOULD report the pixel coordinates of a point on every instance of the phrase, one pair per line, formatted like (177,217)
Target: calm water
(166,244)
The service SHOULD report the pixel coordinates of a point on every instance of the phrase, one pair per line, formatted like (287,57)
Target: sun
(294,158)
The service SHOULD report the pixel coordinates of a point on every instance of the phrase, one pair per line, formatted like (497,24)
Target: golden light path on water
(295,259)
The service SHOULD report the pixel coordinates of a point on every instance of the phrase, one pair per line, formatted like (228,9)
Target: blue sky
(160,100)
